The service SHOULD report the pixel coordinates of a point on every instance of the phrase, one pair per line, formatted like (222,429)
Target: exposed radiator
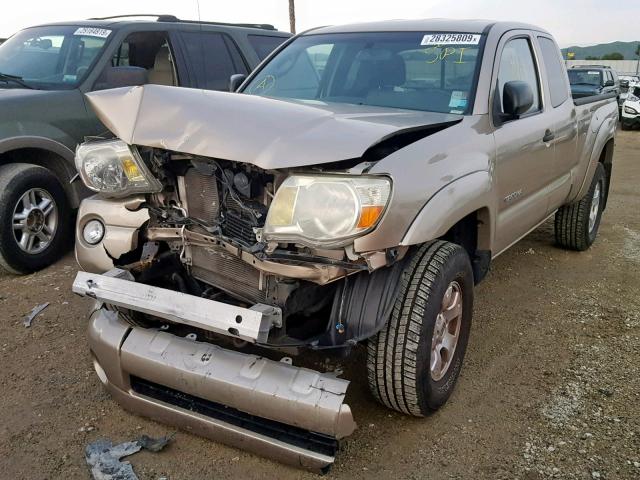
(201,192)
(227,272)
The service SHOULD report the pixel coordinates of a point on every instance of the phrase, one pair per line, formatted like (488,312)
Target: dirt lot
(550,387)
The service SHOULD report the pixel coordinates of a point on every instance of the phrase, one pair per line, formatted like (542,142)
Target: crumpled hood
(268,133)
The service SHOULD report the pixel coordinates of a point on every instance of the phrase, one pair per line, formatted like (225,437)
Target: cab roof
(426,25)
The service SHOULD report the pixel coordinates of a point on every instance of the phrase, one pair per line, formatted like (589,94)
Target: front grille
(227,272)
(315,442)
(201,192)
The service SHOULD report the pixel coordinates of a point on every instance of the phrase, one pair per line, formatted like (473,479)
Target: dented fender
(451,204)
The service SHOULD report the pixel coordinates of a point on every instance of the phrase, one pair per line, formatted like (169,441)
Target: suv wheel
(35,218)
(576,225)
(414,362)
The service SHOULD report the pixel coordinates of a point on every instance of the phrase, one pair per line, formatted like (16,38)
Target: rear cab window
(263,45)
(556,73)
(586,77)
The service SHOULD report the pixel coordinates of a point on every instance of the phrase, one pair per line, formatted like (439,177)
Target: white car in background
(627,84)
(630,115)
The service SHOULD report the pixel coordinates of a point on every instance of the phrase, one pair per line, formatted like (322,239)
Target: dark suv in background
(588,80)
(45,72)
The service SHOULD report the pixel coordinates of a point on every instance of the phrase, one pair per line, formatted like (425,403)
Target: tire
(399,357)
(49,224)
(576,225)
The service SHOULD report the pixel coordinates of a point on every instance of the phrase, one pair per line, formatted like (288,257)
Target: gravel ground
(550,386)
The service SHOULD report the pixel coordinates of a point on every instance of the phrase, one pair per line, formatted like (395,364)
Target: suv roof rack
(160,18)
(173,18)
(591,66)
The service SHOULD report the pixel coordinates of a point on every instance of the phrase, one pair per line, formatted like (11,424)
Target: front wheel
(35,218)
(414,362)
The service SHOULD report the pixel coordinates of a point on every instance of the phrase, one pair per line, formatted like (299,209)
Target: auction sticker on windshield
(450,39)
(93,32)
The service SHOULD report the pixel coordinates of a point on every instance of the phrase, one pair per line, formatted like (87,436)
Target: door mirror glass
(517,98)
(236,80)
(115,77)
(609,83)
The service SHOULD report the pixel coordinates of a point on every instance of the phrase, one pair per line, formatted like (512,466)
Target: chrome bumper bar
(290,414)
(250,324)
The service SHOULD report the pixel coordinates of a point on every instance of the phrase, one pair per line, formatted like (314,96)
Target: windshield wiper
(15,79)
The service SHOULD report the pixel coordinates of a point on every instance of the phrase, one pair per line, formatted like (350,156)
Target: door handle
(548,136)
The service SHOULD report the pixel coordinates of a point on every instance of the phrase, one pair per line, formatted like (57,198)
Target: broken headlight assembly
(114,169)
(326,210)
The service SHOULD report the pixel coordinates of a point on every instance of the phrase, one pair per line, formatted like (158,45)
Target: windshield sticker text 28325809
(451,39)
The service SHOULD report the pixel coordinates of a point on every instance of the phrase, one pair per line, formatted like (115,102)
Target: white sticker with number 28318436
(92,32)
(450,39)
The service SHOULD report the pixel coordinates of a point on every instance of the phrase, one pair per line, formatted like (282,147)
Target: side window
(517,63)
(121,57)
(148,50)
(609,76)
(263,45)
(556,73)
(213,59)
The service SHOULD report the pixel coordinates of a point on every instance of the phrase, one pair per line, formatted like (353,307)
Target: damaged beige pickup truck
(353,190)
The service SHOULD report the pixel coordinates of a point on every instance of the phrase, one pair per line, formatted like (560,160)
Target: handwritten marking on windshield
(446,52)
(266,84)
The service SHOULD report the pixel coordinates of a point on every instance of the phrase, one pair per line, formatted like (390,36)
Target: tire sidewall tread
(15,179)
(398,359)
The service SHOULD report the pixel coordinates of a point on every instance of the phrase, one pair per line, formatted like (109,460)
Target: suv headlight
(630,110)
(326,210)
(113,169)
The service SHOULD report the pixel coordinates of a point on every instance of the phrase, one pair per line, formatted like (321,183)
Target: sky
(572,22)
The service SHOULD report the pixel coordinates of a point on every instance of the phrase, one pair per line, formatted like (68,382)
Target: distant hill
(625,48)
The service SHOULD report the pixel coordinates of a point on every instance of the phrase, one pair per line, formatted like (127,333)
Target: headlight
(113,169)
(630,110)
(326,210)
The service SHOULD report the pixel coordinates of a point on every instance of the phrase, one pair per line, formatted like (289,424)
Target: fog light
(93,232)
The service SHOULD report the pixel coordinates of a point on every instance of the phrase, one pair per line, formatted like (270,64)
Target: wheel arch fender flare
(604,138)
(452,203)
(56,157)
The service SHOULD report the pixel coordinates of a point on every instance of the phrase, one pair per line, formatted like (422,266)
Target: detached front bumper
(294,415)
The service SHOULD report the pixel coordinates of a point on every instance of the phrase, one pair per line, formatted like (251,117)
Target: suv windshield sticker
(458,99)
(451,39)
(591,72)
(93,32)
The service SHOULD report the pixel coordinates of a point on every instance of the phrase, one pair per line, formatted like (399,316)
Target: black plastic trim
(299,437)
(593,98)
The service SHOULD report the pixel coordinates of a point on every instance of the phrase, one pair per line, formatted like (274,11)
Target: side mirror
(609,83)
(517,98)
(115,77)
(235,81)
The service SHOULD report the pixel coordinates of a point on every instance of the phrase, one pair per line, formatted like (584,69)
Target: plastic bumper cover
(294,415)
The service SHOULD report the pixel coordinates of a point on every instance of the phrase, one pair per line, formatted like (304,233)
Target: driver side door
(524,145)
